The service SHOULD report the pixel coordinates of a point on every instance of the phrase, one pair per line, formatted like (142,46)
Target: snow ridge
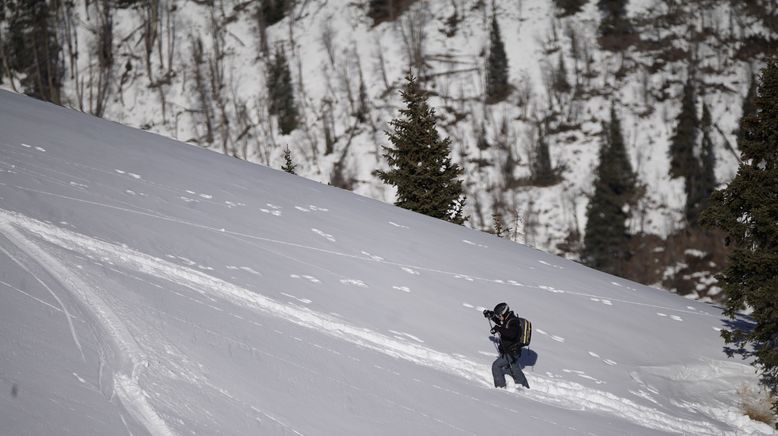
(545,390)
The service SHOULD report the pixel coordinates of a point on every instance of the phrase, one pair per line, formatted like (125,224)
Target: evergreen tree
(289,165)
(497,87)
(701,182)
(748,104)
(386,10)
(499,227)
(274,11)
(747,210)
(682,143)
(543,174)
(569,7)
(615,28)
(362,109)
(606,242)
(427,181)
(281,92)
(33,49)
(560,76)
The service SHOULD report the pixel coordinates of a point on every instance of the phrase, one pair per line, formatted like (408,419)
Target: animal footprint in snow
(317,208)
(410,271)
(122,172)
(583,375)
(402,288)
(551,289)
(311,279)
(553,337)
(372,256)
(327,236)
(673,317)
(41,149)
(550,264)
(464,277)
(605,361)
(603,301)
(354,282)
(272,210)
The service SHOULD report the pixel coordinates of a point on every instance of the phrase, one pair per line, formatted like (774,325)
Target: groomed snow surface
(151,287)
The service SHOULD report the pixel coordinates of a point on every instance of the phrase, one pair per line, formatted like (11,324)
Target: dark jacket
(509,334)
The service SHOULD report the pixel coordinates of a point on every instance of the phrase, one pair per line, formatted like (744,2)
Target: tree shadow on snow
(742,323)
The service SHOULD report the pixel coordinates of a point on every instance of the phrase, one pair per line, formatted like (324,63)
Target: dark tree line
(691,154)
(31,48)
(281,93)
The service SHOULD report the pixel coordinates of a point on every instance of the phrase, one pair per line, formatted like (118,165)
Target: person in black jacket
(507,330)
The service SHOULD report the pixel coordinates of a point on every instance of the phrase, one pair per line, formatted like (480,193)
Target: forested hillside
(548,104)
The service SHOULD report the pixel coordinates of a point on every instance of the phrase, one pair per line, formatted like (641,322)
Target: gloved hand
(488,313)
(493,330)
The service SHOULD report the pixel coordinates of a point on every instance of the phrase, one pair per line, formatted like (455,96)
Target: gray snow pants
(508,365)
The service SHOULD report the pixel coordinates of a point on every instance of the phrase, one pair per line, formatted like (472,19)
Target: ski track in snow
(4,229)
(134,360)
(552,391)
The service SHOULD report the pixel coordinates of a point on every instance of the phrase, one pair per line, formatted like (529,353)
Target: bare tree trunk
(412,26)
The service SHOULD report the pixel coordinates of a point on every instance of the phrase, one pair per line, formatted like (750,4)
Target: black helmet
(501,309)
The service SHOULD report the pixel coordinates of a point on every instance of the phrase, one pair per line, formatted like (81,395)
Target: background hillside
(206,73)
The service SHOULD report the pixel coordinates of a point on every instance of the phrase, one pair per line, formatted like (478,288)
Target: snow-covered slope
(151,287)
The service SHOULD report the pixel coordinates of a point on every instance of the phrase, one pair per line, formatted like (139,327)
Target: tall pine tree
(281,93)
(748,104)
(386,10)
(606,242)
(747,211)
(569,7)
(615,28)
(701,182)
(427,181)
(497,87)
(543,173)
(274,11)
(686,134)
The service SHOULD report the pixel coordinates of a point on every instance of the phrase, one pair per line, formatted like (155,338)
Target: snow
(130,314)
